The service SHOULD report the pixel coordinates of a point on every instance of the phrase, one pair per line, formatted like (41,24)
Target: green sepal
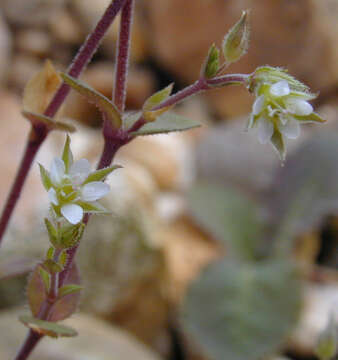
(70,235)
(69,289)
(157,98)
(312,118)
(45,276)
(100,175)
(52,233)
(236,42)
(45,178)
(52,267)
(93,96)
(67,155)
(63,258)
(93,207)
(167,123)
(47,328)
(50,253)
(278,143)
(211,64)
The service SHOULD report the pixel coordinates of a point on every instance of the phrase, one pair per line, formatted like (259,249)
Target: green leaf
(100,175)
(236,42)
(157,98)
(93,96)
(312,118)
(47,328)
(63,308)
(50,253)
(166,123)
(63,258)
(45,178)
(239,311)
(67,155)
(45,276)
(69,289)
(70,235)
(211,64)
(38,119)
(229,216)
(304,191)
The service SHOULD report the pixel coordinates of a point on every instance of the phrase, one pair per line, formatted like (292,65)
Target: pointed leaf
(229,216)
(36,293)
(40,90)
(100,175)
(47,328)
(45,177)
(38,119)
(157,98)
(52,267)
(50,253)
(211,64)
(70,235)
(236,42)
(69,289)
(312,118)
(239,311)
(45,276)
(67,155)
(278,144)
(166,123)
(151,116)
(93,96)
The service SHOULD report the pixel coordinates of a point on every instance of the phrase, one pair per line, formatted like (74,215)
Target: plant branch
(79,63)
(28,346)
(122,57)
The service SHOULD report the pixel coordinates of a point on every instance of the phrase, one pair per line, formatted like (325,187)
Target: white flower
(73,189)
(279,109)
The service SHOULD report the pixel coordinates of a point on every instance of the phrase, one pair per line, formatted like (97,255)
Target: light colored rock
(5,49)
(96,341)
(33,42)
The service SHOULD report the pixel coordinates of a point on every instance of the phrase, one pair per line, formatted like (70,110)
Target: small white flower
(73,189)
(279,108)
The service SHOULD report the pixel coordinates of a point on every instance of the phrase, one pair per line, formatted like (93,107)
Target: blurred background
(137,264)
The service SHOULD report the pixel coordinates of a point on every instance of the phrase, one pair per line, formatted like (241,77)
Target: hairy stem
(122,57)
(79,63)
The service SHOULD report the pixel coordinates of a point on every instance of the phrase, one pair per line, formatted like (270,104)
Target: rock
(5,49)
(291,33)
(32,12)
(33,42)
(96,341)
(100,76)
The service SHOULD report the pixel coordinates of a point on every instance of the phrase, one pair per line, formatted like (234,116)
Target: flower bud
(236,42)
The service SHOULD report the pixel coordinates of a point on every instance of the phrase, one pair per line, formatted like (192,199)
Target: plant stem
(79,63)
(28,346)
(231,79)
(122,57)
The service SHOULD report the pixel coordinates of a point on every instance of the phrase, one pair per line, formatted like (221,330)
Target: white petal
(79,171)
(291,129)
(299,107)
(94,191)
(57,171)
(52,196)
(73,213)
(265,130)
(281,88)
(258,105)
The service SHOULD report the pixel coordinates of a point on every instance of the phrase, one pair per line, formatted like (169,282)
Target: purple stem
(79,63)
(228,80)
(28,346)
(122,57)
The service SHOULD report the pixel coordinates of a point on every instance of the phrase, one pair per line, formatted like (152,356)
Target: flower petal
(281,88)
(291,129)
(57,171)
(94,191)
(72,213)
(265,130)
(299,107)
(258,105)
(79,171)
(52,196)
